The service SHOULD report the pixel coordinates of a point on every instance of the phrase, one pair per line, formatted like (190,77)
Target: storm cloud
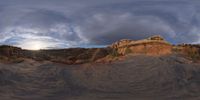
(88,23)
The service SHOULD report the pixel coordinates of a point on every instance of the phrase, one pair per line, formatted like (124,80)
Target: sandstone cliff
(155,45)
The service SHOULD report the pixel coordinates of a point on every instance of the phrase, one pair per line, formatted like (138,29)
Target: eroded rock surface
(138,77)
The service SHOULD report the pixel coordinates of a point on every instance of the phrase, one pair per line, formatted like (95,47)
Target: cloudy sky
(36,24)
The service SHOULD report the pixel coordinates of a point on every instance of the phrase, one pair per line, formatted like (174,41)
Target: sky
(44,24)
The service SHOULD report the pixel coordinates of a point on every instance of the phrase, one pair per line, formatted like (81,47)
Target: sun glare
(33,45)
(36,46)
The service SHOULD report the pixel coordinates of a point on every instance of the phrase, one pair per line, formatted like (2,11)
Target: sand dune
(136,78)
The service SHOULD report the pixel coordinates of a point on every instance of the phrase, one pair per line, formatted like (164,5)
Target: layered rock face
(155,45)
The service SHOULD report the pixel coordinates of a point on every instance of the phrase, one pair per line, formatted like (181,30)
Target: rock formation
(155,45)
(189,50)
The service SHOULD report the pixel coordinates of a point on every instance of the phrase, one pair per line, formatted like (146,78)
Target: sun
(33,45)
(36,46)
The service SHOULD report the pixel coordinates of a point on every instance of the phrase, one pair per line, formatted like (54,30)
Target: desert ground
(139,77)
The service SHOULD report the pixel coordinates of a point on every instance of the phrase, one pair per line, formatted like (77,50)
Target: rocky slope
(138,77)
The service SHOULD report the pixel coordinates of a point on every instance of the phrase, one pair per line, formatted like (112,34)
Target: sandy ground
(136,78)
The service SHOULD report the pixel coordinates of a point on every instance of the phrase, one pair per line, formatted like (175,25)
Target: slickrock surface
(138,77)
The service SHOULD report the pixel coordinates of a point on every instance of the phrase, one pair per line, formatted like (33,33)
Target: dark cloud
(69,23)
(175,20)
(106,28)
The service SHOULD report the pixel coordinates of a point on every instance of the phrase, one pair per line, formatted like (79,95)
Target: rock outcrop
(189,50)
(155,45)
(10,51)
